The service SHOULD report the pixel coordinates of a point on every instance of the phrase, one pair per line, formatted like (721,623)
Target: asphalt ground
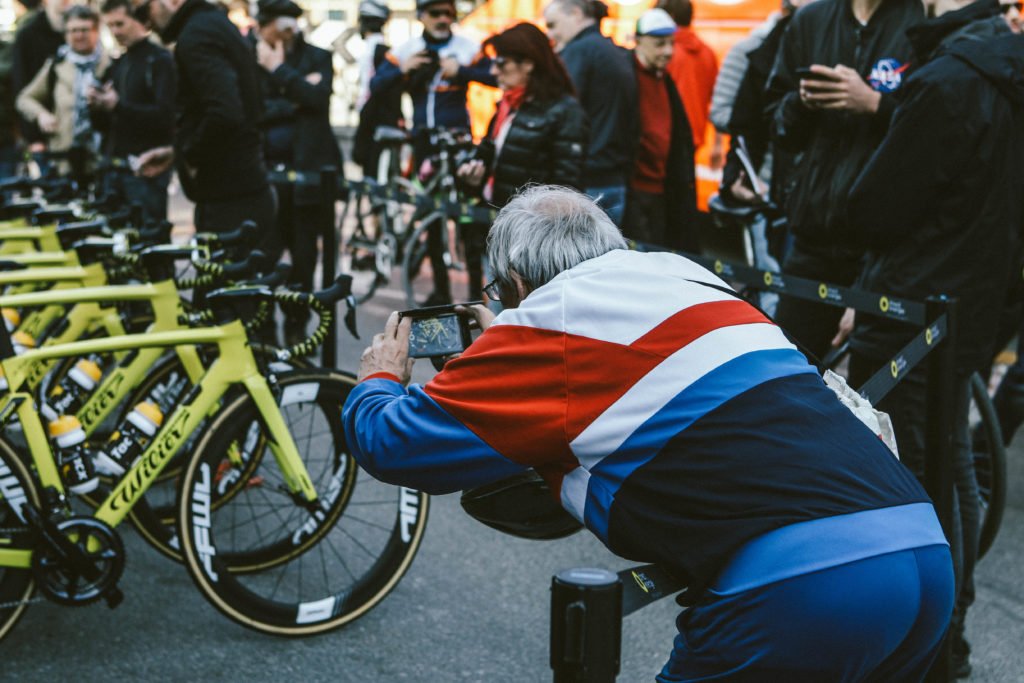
(474,606)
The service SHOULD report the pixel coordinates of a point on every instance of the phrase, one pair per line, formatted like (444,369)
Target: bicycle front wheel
(17,488)
(264,557)
(989,464)
(418,277)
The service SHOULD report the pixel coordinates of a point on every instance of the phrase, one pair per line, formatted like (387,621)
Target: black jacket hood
(929,35)
(1001,61)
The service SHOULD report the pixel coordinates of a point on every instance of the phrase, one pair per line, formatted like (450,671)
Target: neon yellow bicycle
(279,528)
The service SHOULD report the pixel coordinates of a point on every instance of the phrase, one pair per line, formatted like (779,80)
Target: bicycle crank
(78,560)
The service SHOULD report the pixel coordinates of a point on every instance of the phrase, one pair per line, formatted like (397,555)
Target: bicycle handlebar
(243,234)
(52,214)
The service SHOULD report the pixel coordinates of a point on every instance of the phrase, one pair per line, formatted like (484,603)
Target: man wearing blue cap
(662,206)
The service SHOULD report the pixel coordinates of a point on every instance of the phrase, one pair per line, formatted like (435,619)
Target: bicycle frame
(235,364)
(36,259)
(88,314)
(16,240)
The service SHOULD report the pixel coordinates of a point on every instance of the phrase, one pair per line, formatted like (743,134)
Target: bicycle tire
(16,585)
(358,549)
(417,282)
(153,516)
(989,455)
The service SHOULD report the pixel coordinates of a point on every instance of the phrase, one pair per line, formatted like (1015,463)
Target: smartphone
(438,331)
(804,72)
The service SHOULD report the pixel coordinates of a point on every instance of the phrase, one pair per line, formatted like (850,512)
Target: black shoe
(961,657)
(436,299)
(961,666)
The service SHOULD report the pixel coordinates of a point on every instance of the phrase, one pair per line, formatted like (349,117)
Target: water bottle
(126,445)
(11,318)
(22,342)
(72,391)
(73,459)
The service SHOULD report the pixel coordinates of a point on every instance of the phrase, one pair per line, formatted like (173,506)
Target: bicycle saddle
(19,208)
(55,214)
(718,205)
(390,134)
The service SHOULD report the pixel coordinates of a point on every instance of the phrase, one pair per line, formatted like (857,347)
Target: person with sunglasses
(1012,13)
(939,209)
(681,427)
(538,135)
(435,69)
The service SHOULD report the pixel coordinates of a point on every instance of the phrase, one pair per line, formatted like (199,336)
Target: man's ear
(522,286)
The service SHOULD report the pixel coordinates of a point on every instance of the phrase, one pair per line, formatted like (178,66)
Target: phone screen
(439,335)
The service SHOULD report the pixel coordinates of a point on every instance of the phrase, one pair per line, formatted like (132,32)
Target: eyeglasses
(500,62)
(492,289)
(1007,6)
(438,13)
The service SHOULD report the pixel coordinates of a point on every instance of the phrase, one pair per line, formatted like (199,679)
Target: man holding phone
(834,112)
(714,450)
(435,69)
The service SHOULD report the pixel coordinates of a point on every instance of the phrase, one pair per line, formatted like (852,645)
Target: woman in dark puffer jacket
(537,136)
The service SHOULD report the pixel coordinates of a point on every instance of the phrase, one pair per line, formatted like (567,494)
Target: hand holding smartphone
(807,73)
(438,331)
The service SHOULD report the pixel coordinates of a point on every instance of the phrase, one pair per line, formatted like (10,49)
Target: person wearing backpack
(56,100)
(40,33)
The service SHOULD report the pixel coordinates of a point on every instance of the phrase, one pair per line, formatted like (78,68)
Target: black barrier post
(329,257)
(586,625)
(938,466)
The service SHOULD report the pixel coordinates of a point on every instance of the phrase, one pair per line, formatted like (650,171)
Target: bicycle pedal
(114,597)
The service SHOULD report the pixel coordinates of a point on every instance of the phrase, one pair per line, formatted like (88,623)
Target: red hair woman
(537,136)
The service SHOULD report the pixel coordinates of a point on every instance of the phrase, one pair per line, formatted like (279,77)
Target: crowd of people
(889,133)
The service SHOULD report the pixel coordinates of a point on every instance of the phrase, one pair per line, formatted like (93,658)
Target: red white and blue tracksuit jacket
(673,419)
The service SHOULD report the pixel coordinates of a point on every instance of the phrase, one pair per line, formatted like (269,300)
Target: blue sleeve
(479,71)
(404,437)
(388,74)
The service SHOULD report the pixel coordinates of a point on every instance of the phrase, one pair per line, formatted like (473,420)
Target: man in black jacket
(602,73)
(217,148)
(940,207)
(858,52)
(297,82)
(662,206)
(134,109)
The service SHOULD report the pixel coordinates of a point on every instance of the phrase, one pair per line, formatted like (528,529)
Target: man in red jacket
(662,196)
(693,68)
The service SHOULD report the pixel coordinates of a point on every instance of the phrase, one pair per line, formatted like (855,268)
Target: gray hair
(547,229)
